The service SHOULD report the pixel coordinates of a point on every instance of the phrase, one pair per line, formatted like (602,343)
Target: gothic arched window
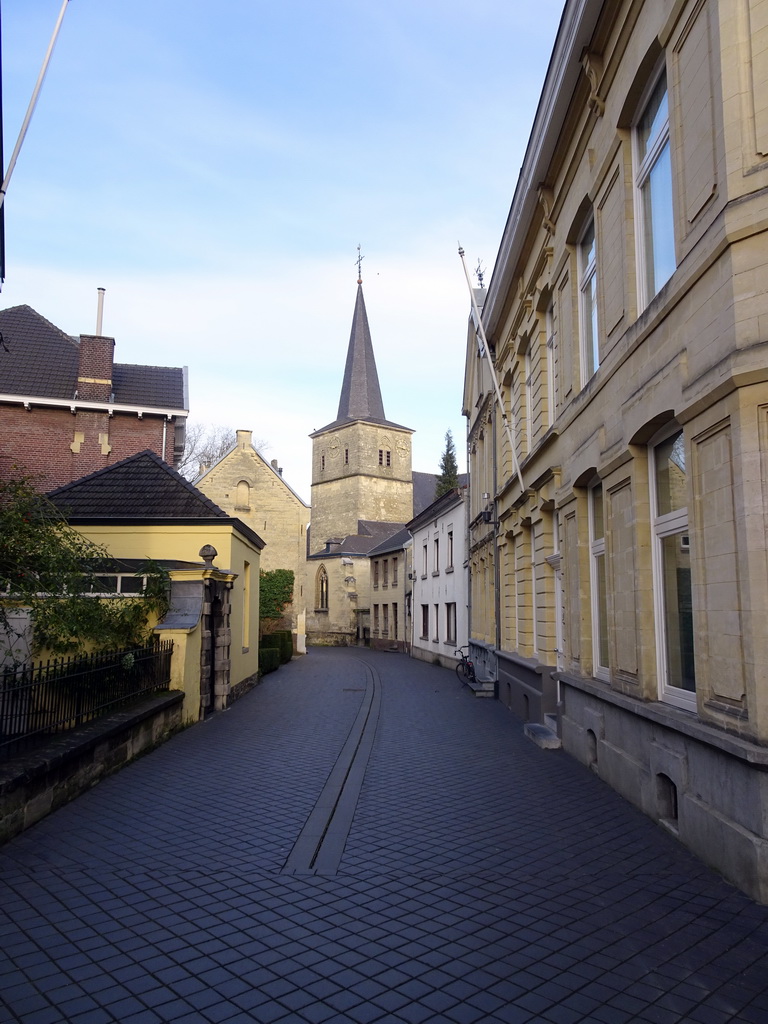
(321,600)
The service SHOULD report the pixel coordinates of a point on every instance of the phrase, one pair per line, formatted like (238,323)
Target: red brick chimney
(94,379)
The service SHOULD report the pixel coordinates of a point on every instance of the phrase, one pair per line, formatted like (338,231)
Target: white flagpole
(499,399)
(32,103)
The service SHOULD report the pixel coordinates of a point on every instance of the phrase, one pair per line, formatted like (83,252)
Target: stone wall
(35,784)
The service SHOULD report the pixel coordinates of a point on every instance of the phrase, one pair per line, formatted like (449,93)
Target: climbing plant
(275,592)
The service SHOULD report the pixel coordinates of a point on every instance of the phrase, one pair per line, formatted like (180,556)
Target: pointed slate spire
(360,392)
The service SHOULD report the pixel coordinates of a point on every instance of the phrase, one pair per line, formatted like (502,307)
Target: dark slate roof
(369,535)
(438,506)
(394,543)
(360,392)
(140,487)
(38,360)
(424,485)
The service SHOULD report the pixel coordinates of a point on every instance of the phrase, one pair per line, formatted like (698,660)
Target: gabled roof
(38,360)
(394,543)
(360,392)
(140,489)
(438,507)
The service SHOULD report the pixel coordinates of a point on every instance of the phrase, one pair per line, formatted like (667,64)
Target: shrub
(269,659)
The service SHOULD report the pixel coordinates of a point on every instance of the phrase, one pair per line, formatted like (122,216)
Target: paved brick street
(360,840)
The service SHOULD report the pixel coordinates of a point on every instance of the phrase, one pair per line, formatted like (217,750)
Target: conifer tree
(449,470)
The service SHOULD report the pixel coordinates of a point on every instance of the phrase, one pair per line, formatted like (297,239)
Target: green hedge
(282,640)
(269,659)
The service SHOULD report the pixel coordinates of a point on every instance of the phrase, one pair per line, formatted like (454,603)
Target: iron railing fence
(38,701)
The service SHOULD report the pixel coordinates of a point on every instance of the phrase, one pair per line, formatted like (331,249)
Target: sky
(215,165)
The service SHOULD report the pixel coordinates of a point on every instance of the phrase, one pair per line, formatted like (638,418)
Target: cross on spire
(359,261)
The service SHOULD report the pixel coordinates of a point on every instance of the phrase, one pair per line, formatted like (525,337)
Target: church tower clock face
(334,447)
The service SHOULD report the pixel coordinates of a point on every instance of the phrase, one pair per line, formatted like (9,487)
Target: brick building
(68,409)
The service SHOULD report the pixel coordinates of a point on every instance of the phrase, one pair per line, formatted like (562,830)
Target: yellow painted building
(140,508)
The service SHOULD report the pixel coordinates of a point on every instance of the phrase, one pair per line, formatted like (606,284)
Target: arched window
(321,598)
(243,496)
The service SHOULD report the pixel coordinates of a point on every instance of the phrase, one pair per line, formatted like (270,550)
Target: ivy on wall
(275,592)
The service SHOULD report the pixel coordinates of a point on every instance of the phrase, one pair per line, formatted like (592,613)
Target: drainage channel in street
(320,844)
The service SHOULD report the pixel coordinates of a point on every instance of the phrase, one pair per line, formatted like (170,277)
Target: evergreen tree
(449,470)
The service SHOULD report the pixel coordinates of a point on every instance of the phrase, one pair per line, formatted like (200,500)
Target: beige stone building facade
(621,578)
(253,490)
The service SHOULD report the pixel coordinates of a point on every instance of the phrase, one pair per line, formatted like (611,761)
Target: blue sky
(214,166)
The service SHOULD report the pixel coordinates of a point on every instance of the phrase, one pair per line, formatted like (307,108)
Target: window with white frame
(424,561)
(551,343)
(394,572)
(590,349)
(528,416)
(449,551)
(653,193)
(425,622)
(436,623)
(672,571)
(600,657)
(450,622)
(436,562)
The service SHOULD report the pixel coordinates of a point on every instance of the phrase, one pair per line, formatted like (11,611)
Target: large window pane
(671,493)
(658,223)
(678,611)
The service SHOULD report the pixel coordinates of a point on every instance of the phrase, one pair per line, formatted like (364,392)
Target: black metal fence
(38,701)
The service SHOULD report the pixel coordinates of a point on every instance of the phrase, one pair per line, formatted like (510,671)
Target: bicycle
(465,670)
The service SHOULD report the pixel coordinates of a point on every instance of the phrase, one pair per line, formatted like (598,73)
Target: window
(346,456)
(551,343)
(424,562)
(590,352)
(394,573)
(246,605)
(117,584)
(376,574)
(672,572)
(528,414)
(322,462)
(375,620)
(436,620)
(450,623)
(321,590)
(600,666)
(425,622)
(653,194)
(385,572)
(243,495)
(385,457)
(436,562)
(385,612)
(449,553)
(394,621)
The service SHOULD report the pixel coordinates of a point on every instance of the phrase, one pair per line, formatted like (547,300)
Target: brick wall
(55,446)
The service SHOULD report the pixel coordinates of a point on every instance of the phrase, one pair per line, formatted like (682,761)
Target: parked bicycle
(465,670)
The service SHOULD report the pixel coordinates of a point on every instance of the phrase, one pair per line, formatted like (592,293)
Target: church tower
(361,462)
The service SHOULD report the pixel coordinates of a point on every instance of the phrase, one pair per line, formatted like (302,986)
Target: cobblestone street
(360,840)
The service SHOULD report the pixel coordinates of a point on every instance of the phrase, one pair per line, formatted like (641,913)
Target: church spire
(360,391)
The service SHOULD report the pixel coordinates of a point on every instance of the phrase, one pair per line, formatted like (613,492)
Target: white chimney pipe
(99,312)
